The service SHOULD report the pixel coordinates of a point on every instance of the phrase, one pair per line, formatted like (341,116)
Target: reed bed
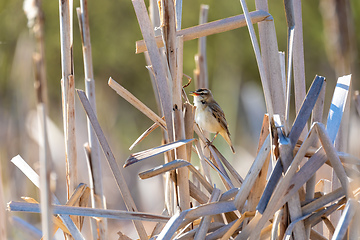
(277,199)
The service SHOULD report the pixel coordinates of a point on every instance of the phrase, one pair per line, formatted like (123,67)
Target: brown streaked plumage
(209,115)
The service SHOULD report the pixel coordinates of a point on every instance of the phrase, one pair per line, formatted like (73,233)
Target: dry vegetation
(279,198)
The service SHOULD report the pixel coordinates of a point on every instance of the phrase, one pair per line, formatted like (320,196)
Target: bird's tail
(227,138)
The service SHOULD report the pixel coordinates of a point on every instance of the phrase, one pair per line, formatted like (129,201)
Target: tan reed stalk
(34,178)
(206,29)
(139,156)
(264,79)
(260,182)
(201,72)
(179,128)
(205,221)
(97,195)
(250,179)
(136,103)
(298,58)
(289,10)
(156,62)
(125,192)
(89,212)
(45,171)
(316,117)
(68,92)
(269,67)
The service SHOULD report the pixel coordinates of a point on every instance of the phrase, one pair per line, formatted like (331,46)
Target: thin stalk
(206,29)
(68,92)
(89,212)
(94,159)
(263,77)
(157,64)
(35,179)
(179,127)
(201,72)
(45,171)
(125,192)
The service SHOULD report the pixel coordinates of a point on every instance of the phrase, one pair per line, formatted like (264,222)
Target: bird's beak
(192,93)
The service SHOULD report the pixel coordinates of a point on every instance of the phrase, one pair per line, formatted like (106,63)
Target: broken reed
(254,207)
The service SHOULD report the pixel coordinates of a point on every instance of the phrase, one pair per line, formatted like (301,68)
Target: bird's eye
(203,102)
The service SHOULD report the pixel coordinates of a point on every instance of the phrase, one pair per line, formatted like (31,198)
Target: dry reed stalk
(217,163)
(144,135)
(210,28)
(182,219)
(264,79)
(201,73)
(89,212)
(204,167)
(237,179)
(81,193)
(136,103)
(34,178)
(94,158)
(168,29)
(337,106)
(252,175)
(316,117)
(269,68)
(189,125)
(197,194)
(136,157)
(260,183)
(333,123)
(334,159)
(213,227)
(341,135)
(45,171)
(125,192)
(326,199)
(175,164)
(298,58)
(68,92)
(351,207)
(236,225)
(354,232)
(202,81)
(316,235)
(290,19)
(156,63)
(294,134)
(182,177)
(56,220)
(159,226)
(205,221)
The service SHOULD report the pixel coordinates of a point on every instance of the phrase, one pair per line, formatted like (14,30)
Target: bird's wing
(218,113)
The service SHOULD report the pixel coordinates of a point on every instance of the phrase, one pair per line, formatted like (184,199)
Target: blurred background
(233,78)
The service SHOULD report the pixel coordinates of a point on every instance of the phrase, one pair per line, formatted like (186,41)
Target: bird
(209,115)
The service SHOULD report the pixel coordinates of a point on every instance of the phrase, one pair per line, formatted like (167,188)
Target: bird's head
(202,94)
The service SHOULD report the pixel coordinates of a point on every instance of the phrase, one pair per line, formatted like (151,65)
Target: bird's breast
(205,119)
